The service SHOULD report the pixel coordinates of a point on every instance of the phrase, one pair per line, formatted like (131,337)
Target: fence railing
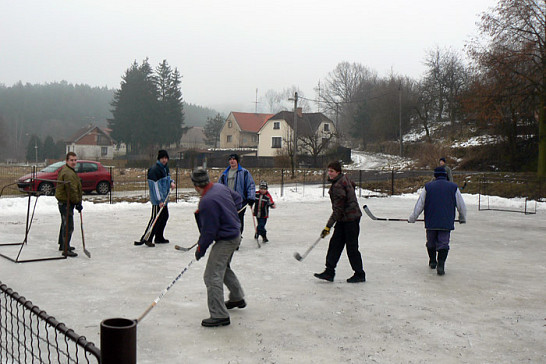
(30,335)
(130,184)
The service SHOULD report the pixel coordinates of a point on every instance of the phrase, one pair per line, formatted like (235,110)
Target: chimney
(300,112)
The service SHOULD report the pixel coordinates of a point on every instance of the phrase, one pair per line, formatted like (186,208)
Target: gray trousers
(217,273)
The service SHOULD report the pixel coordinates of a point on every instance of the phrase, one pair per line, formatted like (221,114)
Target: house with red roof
(91,142)
(240,129)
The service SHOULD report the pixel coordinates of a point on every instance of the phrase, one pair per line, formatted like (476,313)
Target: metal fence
(130,184)
(30,335)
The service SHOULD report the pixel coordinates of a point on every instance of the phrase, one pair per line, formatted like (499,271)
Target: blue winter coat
(159,183)
(244,183)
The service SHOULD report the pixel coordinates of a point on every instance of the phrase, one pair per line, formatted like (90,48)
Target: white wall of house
(273,137)
(92,152)
(230,133)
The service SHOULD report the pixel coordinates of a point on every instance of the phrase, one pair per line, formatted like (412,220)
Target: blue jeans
(261,226)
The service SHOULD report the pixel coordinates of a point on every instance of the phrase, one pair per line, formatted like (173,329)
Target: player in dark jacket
(439,199)
(261,210)
(346,217)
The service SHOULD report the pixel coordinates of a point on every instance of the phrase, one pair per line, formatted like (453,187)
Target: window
(103,151)
(229,124)
(326,127)
(229,138)
(276,125)
(276,142)
(89,167)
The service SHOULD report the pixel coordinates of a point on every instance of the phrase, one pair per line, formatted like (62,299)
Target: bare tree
(516,47)
(277,101)
(341,88)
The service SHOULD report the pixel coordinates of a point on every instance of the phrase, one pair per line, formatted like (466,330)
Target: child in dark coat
(261,210)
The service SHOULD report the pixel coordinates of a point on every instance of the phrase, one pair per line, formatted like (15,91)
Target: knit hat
(440,171)
(162,153)
(443,159)
(200,177)
(234,156)
(263,185)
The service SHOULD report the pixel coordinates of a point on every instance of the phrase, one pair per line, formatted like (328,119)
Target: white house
(314,130)
(91,142)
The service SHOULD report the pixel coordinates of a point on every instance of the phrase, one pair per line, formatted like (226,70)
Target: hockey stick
(178,247)
(83,237)
(164,292)
(151,228)
(255,230)
(373,217)
(302,257)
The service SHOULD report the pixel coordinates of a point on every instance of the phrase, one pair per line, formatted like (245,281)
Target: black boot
(432,258)
(442,256)
(265,238)
(327,275)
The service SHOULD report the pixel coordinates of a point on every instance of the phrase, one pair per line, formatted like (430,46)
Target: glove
(199,253)
(79,207)
(250,203)
(325,232)
(462,221)
(411,220)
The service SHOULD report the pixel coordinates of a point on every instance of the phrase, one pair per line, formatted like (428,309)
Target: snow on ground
(488,308)
(377,161)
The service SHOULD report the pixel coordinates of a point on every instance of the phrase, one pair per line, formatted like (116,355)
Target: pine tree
(34,149)
(171,105)
(136,113)
(49,149)
(213,128)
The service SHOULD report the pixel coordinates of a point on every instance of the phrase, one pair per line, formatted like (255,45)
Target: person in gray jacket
(439,200)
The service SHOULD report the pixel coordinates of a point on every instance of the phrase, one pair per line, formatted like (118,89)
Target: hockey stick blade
(87,253)
(300,257)
(184,249)
(369,213)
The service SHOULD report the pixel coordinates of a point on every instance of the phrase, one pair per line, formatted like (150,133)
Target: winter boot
(442,256)
(357,278)
(265,238)
(432,258)
(327,275)
(69,253)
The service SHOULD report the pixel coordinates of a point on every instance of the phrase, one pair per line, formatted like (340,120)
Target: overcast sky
(225,50)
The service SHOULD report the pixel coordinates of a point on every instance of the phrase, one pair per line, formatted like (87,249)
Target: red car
(93,175)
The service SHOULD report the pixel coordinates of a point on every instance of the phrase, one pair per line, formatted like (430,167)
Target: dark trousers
(345,235)
(261,226)
(242,218)
(66,227)
(160,224)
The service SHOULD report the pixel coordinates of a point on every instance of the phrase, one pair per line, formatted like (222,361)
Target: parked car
(93,175)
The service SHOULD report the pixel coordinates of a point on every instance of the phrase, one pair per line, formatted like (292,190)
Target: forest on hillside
(58,110)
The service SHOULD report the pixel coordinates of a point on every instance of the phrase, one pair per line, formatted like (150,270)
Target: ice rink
(488,308)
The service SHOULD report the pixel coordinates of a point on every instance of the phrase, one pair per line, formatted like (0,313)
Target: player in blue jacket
(159,183)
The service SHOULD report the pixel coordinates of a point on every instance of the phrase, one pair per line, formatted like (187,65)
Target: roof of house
(250,122)
(308,123)
(82,132)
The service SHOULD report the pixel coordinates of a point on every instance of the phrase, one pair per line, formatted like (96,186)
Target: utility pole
(400,114)
(256,103)
(295,127)
(36,148)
